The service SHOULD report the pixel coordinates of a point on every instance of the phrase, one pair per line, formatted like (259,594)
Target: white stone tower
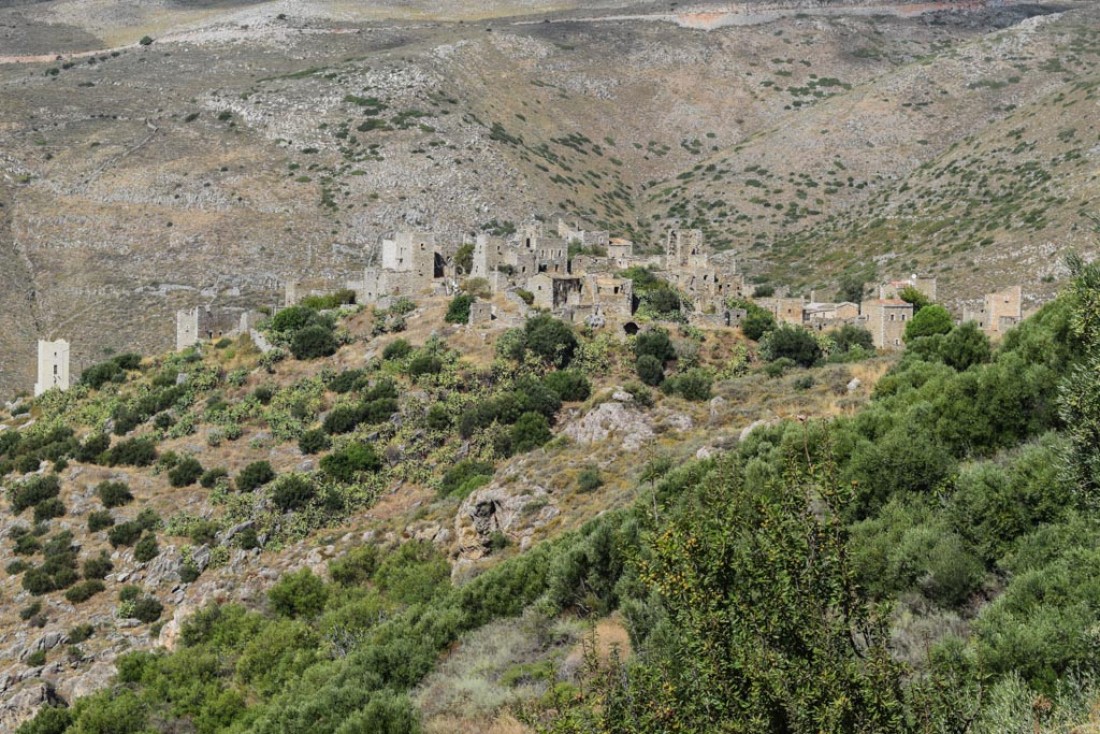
(53,366)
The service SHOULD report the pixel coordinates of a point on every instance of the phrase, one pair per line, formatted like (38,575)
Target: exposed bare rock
(608,419)
(25,703)
(165,568)
(512,510)
(95,678)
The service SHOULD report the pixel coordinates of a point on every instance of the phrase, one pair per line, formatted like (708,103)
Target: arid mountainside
(252,143)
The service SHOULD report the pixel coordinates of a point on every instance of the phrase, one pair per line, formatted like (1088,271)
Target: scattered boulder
(750,428)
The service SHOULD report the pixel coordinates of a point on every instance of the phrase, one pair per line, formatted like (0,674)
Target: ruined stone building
(593,298)
(204,323)
(591,239)
(555,292)
(53,366)
(829,316)
(295,291)
(891,289)
(998,312)
(412,265)
(886,319)
(621,252)
(785,310)
(684,250)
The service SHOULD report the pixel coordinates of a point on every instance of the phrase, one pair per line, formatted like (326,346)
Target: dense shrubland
(923,564)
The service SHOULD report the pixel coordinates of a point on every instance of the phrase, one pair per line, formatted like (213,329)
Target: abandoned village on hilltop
(535,271)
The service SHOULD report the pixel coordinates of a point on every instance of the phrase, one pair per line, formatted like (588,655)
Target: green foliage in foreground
(773,591)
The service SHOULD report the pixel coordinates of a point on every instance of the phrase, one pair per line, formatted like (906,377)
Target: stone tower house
(684,249)
(53,366)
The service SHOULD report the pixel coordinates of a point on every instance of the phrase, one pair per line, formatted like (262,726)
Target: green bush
(314,441)
(313,342)
(25,543)
(56,573)
(570,385)
(186,472)
(148,519)
(377,411)
(298,594)
(397,349)
(438,418)
(210,477)
(254,476)
(129,592)
(146,548)
(341,297)
(48,510)
(343,419)
(757,322)
(50,719)
(589,479)
(100,374)
(84,591)
(642,395)
(345,464)
(464,477)
(850,336)
(356,567)
(113,494)
(264,394)
(33,491)
(414,574)
(794,343)
(347,381)
(529,432)
(424,363)
(98,567)
(126,533)
(933,319)
(691,385)
(654,343)
(458,312)
(910,294)
(146,609)
(132,452)
(91,448)
(550,340)
(36,658)
(292,492)
(293,318)
(650,370)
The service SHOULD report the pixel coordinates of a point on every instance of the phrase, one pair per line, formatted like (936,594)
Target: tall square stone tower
(53,366)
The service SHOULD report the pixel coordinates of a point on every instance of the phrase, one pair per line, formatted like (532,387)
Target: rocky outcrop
(25,703)
(615,418)
(512,510)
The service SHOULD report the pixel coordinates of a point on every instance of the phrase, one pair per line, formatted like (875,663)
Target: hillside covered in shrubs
(787,551)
